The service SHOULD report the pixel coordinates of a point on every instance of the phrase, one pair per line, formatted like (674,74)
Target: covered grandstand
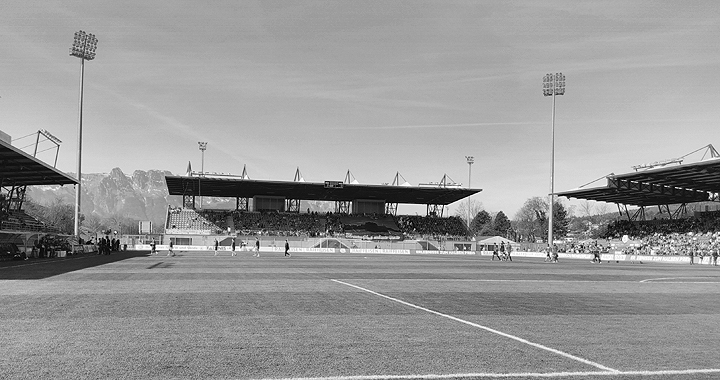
(674,185)
(671,232)
(18,170)
(264,208)
(345,195)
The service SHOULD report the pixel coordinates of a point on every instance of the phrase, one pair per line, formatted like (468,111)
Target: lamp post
(553,84)
(83,47)
(203,147)
(470,161)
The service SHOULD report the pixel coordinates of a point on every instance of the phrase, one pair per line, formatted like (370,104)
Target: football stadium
(364,293)
(242,271)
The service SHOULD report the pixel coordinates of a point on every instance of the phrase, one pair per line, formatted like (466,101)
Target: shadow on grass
(37,269)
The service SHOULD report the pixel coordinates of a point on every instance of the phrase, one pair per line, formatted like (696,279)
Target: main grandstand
(20,232)
(671,186)
(363,216)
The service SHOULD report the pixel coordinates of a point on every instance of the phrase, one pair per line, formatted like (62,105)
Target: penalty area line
(513,337)
(661,279)
(512,375)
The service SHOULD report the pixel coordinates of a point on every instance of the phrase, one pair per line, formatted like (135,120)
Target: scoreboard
(333,184)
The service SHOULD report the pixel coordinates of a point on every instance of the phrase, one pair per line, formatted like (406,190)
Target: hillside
(140,196)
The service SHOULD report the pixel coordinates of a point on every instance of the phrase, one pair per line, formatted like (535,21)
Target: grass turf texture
(196,316)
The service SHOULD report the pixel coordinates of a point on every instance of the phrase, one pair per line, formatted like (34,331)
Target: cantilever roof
(18,168)
(245,188)
(685,183)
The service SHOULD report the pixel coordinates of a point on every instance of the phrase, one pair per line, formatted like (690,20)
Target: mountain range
(141,196)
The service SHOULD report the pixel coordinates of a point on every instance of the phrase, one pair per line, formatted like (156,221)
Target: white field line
(512,375)
(511,280)
(521,340)
(679,278)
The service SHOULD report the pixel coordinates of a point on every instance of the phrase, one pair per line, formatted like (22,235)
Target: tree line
(530,223)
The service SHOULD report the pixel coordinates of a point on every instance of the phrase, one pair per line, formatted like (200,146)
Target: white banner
(420,252)
(381,251)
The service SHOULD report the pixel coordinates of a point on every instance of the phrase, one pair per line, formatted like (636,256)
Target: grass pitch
(344,316)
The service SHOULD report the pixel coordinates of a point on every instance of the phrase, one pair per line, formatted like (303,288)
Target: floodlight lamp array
(202,145)
(470,159)
(84,46)
(50,136)
(554,84)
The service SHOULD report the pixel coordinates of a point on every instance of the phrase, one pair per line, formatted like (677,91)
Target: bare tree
(587,208)
(58,214)
(93,224)
(528,220)
(531,220)
(602,208)
(462,209)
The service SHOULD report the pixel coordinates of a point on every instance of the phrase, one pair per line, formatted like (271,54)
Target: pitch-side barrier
(607,257)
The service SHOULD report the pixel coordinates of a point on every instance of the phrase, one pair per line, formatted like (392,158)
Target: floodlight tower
(83,47)
(470,161)
(203,147)
(553,85)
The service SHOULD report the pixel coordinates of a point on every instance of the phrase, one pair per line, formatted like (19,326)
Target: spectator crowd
(688,236)
(316,224)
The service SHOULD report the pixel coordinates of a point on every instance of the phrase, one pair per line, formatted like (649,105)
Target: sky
(373,87)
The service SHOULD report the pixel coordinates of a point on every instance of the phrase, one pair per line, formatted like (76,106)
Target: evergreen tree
(479,222)
(501,224)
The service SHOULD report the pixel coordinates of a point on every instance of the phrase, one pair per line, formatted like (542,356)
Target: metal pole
(469,177)
(202,171)
(79,152)
(37,141)
(202,145)
(470,161)
(552,175)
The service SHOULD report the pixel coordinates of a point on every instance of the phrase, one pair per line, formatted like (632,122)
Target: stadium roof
(18,168)
(687,183)
(245,188)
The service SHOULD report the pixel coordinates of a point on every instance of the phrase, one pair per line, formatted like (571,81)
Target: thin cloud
(438,126)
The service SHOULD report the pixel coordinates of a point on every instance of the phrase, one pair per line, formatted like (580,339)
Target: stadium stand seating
(20,221)
(701,236)
(315,224)
(368,225)
(189,220)
(432,227)
(280,223)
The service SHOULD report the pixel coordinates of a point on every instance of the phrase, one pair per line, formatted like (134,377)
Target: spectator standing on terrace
(216,246)
(287,248)
(233,247)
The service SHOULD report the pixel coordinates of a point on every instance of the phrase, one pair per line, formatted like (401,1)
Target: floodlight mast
(202,146)
(470,161)
(553,84)
(84,46)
